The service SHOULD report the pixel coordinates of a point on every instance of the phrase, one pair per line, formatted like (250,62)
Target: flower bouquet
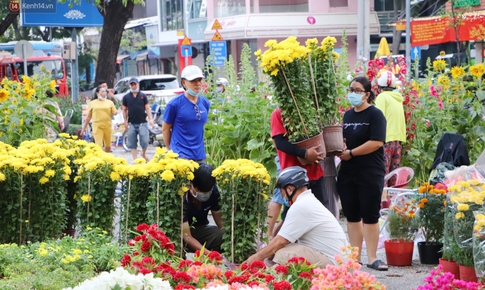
(479,245)
(306,84)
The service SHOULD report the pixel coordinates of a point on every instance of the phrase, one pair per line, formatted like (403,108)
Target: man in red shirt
(288,154)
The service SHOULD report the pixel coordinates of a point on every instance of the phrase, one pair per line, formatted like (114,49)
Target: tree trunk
(396,36)
(7,22)
(116,16)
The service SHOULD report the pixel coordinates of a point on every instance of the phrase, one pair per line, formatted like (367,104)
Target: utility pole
(363,31)
(408,38)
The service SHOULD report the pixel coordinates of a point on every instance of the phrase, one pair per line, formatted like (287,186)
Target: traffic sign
(416,53)
(216,25)
(218,52)
(217,36)
(186,41)
(186,50)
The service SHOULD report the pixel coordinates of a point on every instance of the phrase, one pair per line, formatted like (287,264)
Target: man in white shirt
(309,230)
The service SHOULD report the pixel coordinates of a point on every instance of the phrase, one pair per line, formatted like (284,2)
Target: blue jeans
(135,130)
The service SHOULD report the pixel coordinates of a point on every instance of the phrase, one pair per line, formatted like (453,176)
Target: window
(339,3)
(171,18)
(281,6)
(224,8)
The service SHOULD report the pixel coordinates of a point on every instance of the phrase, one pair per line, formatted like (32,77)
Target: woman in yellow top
(101,111)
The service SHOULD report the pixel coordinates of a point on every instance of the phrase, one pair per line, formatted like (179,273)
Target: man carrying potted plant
(288,155)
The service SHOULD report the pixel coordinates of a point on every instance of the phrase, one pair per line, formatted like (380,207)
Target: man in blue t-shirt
(201,197)
(185,116)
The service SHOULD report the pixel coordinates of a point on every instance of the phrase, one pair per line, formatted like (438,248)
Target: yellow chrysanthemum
(43,180)
(459,215)
(463,207)
(168,175)
(86,198)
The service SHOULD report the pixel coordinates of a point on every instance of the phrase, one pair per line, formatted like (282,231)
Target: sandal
(378,265)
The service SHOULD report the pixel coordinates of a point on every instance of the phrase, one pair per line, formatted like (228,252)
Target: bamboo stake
(232,230)
(181,224)
(127,208)
(21,197)
(296,104)
(314,90)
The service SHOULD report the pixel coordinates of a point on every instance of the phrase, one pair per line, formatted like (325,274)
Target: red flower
(298,261)
(253,284)
(182,276)
(280,269)
(239,279)
(184,264)
(131,243)
(148,261)
(135,253)
(137,265)
(215,256)
(145,247)
(305,275)
(244,267)
(184,287)
(145,271)
(257,265)
(282,285)
(269,278)
(142,227)
(170,247)
(229,274)
(126,260)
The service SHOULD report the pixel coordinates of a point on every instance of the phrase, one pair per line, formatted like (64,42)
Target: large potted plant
(304,83)
(431,217)
(402,226)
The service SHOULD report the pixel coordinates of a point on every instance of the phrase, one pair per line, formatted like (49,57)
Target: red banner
(441,30)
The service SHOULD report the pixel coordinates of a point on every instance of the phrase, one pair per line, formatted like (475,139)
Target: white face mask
(202,196)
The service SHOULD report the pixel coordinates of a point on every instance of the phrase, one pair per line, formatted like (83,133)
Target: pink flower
(427,124)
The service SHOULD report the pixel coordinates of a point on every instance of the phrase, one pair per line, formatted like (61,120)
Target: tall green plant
(239,124)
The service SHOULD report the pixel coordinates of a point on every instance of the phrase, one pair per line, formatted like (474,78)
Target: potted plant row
(307,89)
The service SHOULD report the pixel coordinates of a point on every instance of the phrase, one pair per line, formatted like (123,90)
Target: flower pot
(450,267)
(399,253)
(468,274)
(429,253)
(309,143)
(334,140)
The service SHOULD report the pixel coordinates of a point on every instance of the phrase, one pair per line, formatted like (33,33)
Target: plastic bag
(462,173)
(479,244)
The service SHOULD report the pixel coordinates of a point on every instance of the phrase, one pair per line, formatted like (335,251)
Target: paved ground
(396,278)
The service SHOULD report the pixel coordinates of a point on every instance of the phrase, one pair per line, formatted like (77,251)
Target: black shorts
(360,195)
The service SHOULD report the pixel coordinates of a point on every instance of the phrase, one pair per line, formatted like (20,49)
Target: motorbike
(155,135)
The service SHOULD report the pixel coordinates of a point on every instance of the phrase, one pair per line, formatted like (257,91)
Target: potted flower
(402,226)
(466,198)
(431,216)
(305,83)
(479,245)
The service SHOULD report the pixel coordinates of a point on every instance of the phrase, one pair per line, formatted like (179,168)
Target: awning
(142,56)
(122,57)
(279,25)
(141,22)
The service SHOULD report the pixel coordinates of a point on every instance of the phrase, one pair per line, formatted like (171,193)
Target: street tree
(116,14)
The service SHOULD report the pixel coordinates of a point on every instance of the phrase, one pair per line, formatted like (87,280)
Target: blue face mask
(355,99)
(134,90)
(285,202)
(192,92)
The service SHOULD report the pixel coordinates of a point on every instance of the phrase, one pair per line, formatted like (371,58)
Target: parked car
(158,88)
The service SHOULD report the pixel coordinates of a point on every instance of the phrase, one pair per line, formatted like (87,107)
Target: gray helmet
(294,175)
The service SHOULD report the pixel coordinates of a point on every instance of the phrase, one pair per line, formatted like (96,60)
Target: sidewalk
(396,278)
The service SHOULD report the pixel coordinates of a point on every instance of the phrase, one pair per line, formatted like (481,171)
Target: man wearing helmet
(390,102)
(309,231)
(221,83)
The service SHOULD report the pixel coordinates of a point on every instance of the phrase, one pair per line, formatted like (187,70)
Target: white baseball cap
(222,81)
(191,73)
